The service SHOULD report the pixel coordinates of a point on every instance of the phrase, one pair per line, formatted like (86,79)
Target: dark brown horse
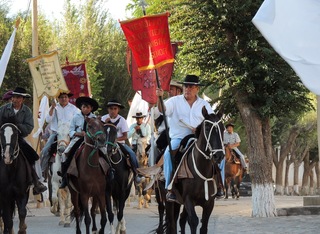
(91,181)
(201,158)
(233,173)
(15,179)
(118,185)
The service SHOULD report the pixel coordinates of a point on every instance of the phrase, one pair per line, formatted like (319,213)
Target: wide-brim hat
(21,92)
(229,124)
(176,84)
(87,100)
(139,115)
(114,102)
(7,95)
(191,80)
(69,94)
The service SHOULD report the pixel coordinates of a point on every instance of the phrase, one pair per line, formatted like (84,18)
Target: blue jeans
(167,164)
(221,166)
(44,155)
(132,156)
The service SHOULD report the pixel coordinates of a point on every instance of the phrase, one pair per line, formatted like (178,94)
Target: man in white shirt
(232,140)
(139,131)
(184,115)
(63,111)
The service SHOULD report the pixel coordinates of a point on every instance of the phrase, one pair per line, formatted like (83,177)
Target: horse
(144,197)
(15,178)
(60,198)
(201,158)
(233,174)
(91,179)
(118,185)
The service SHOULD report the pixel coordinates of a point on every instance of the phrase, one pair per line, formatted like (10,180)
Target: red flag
(75,75)
(145,81)
(149,39)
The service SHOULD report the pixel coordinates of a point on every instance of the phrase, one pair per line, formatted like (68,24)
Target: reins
(93,137)
(16,147)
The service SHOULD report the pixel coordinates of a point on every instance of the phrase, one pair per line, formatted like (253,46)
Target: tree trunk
(279,178)
(286,178)
(260,155)
(317,170)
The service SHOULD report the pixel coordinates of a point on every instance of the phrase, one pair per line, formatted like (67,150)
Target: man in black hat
(184,115)
(77,132)
(139,131)
(232,140)
(114,118)
(18,113)
(63,111)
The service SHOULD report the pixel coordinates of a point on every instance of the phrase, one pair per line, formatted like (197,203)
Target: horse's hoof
(61,223)
(66,225)
(123,232)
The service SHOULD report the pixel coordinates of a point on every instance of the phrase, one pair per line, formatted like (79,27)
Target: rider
(77,132)
(114,118)
(63,111)
(139,130)
(184,115)
(232,140)
(18,113)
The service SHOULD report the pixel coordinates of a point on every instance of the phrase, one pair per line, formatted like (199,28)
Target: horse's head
(9,134)
(63,137)
(111,136)
(95,132)
(210,136)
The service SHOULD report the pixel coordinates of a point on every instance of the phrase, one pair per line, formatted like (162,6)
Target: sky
(54,8)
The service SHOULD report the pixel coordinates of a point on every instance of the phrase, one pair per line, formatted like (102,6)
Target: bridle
(16,146)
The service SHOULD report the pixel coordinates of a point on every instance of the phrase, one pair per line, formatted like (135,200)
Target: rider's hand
(137,127)
(159,92)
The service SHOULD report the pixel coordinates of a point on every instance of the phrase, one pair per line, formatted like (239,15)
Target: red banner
(145,81)
(75,75)
(149,39)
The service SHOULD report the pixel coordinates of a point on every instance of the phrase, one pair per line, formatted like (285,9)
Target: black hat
(21,92)
(69,94)
(191,80)
(229,124)
(114,102)
(89,101)
(139,115)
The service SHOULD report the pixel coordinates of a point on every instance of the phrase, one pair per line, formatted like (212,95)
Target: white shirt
(177,108)
(145,130)
(122,126)
(231,138)
(61,114)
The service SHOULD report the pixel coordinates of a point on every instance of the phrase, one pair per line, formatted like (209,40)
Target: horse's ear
(220,111)
(204,111)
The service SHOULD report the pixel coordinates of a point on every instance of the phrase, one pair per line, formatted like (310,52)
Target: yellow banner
(47,75)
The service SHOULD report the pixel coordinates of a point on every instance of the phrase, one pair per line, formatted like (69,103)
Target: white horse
(61,198)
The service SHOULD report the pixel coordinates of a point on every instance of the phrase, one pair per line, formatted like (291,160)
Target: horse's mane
(198,130)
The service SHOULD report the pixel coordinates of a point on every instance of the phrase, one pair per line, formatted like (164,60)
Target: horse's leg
(93,214)
(67,209)
(161,206)
(76,209)
(206,212)
(170,218)
(121,221)
(110,212)
(183,221)
(60,201)
(87,219)
(22,211)
(102,206)
(227,184)
(193,219)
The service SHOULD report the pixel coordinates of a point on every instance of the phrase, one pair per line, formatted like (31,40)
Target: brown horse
(91,180)
(201,158)
(233,173)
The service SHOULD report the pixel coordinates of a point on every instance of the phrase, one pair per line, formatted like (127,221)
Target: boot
(220,192)
(64,169)
(38,186)
(220,188)
(138,179)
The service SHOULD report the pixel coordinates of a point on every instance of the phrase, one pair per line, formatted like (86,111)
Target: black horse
(201,159)
(15,178)
(118,184)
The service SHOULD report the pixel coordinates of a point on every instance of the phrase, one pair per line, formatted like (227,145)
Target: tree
(222,46)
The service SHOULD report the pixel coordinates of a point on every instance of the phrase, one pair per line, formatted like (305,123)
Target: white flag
(292,27)
(6,56)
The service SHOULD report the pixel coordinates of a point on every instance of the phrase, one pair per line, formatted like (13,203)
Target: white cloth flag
(292,27)
(6,56)
(43,111)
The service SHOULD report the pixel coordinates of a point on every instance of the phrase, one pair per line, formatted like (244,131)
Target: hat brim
(115,104)
(87,100)
(26,95)
(191,83)
(140,116)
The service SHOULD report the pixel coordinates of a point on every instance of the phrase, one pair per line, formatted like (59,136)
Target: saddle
(235,158)
(73,169)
